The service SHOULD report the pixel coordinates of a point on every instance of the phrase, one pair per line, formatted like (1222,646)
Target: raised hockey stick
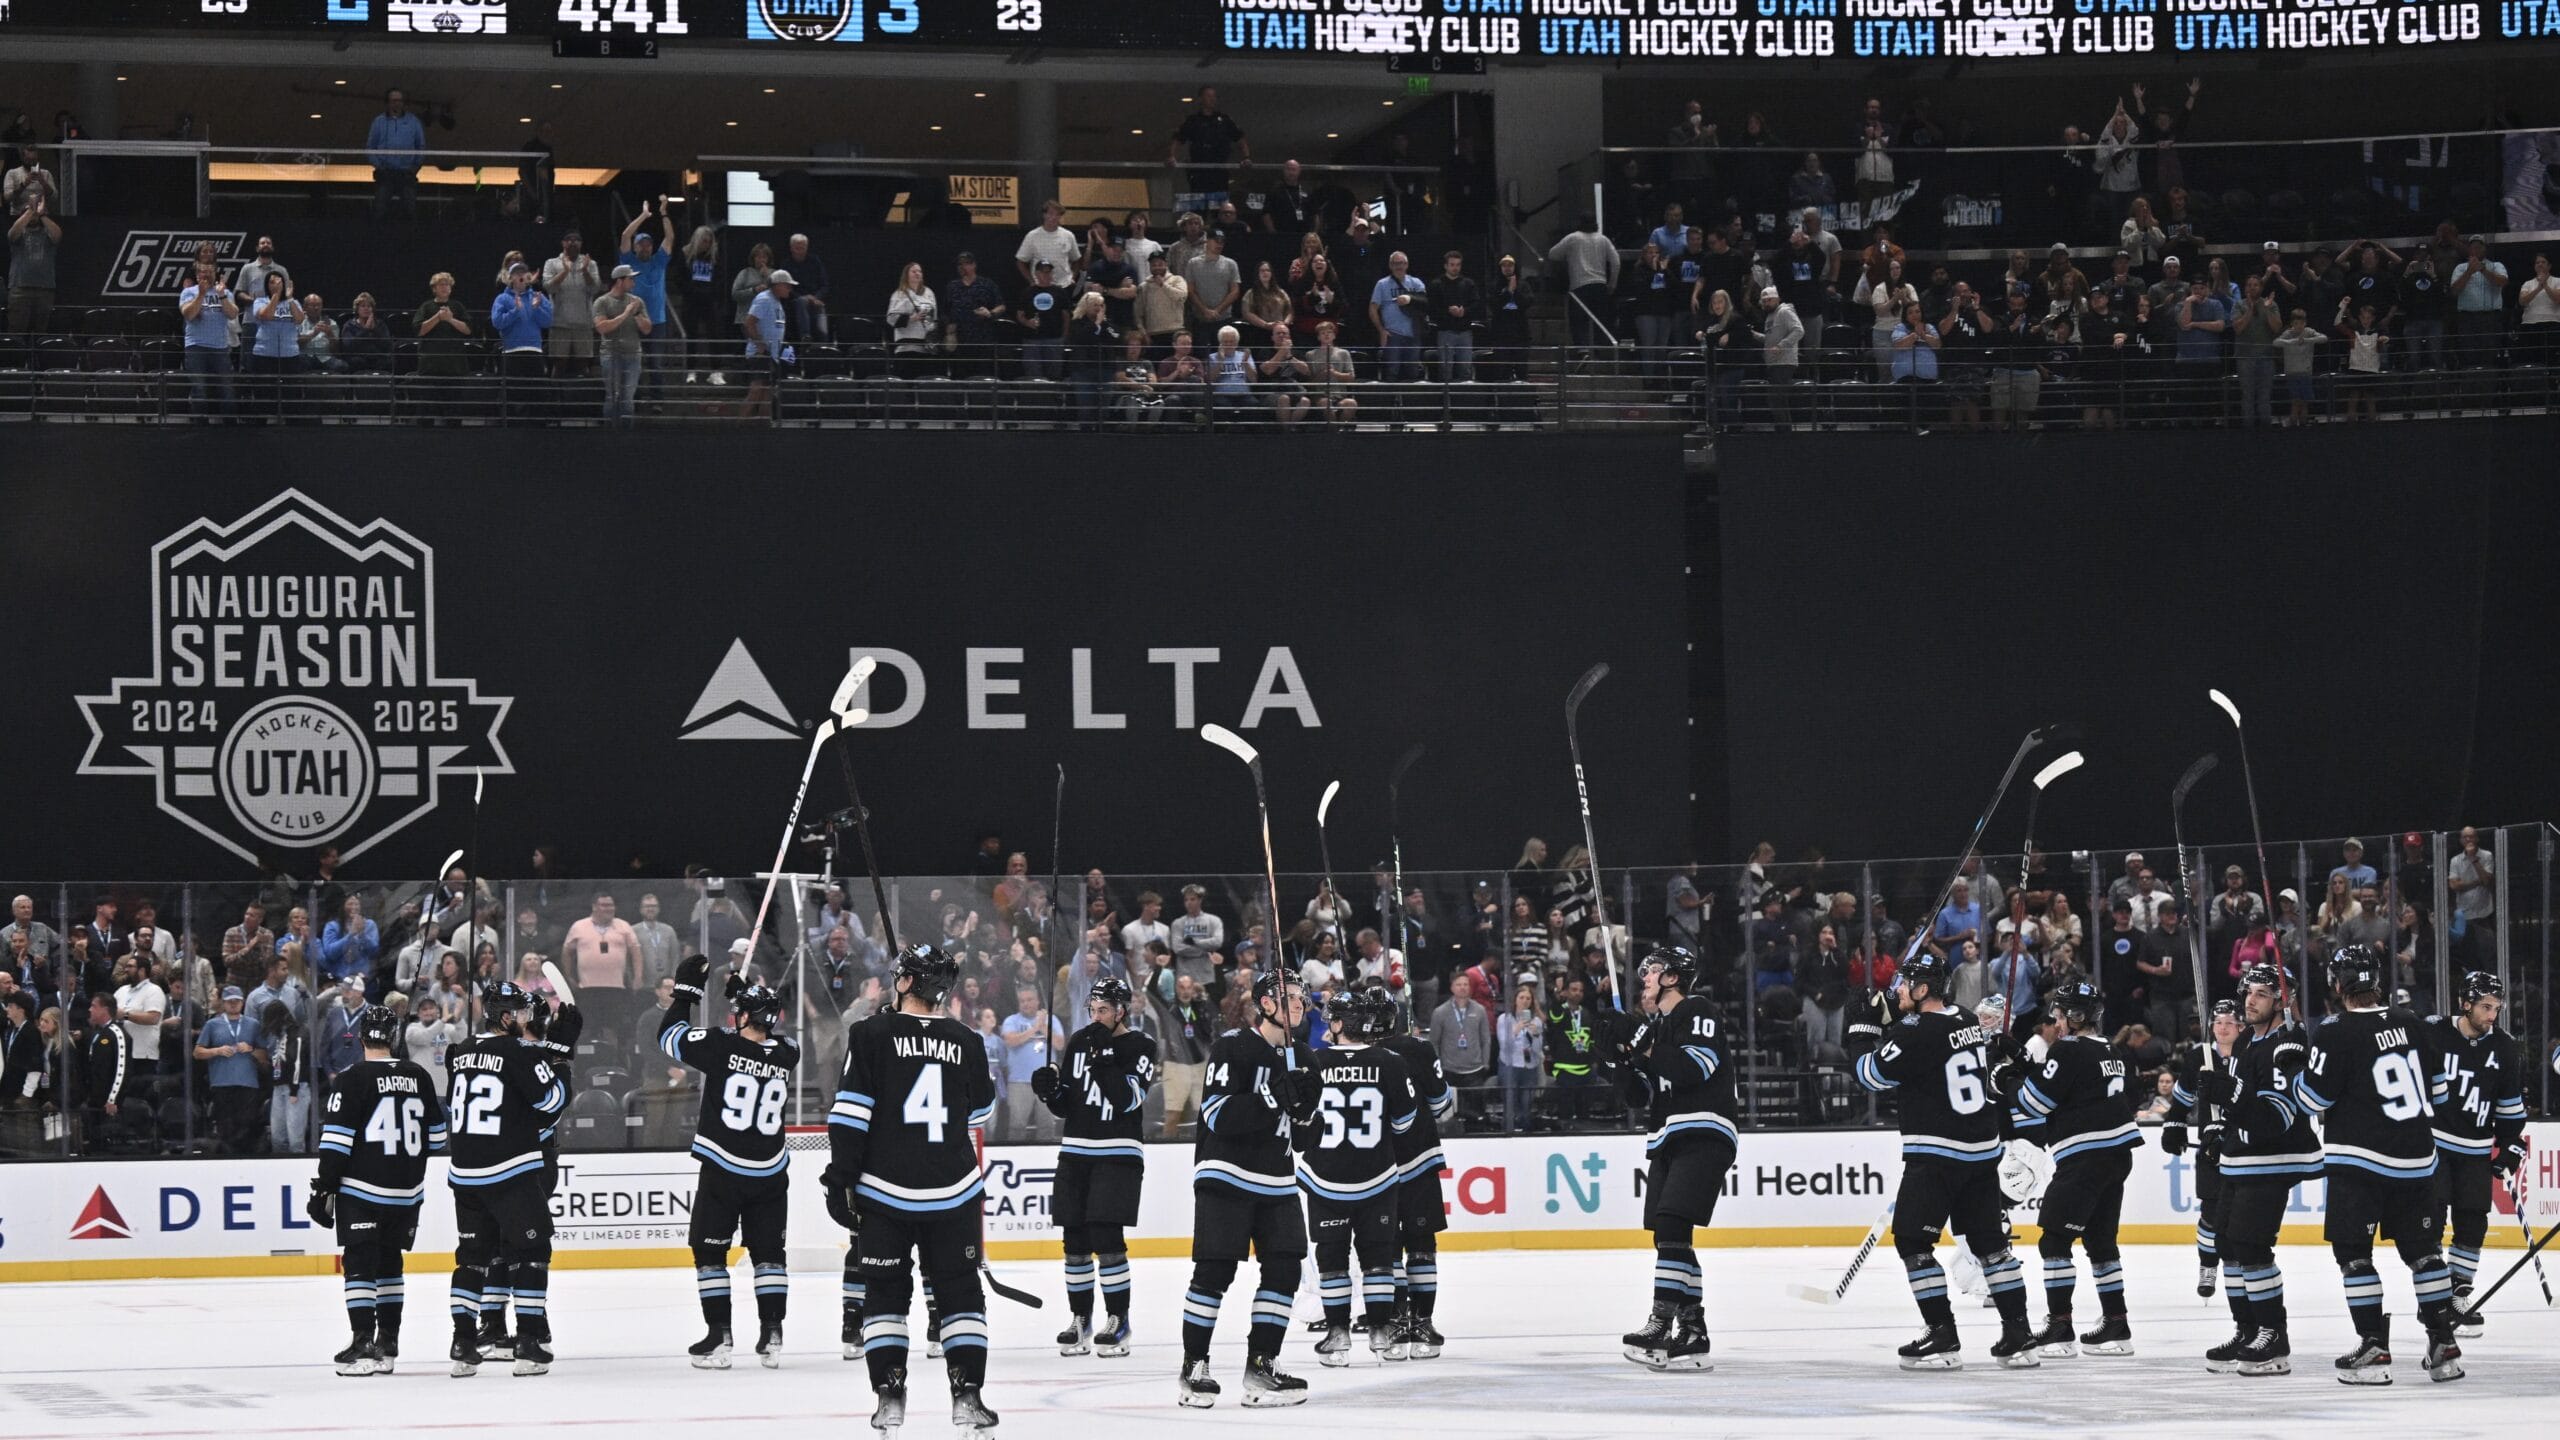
(2195,931)
(1049,965)
(2062,765)
(1324,848)
(1234,744)
(1837,1293)
(1590,843)
(841,713)
(2515,1193)
(1395,848)
(2258,835)
(1920,935)
(2530,1253)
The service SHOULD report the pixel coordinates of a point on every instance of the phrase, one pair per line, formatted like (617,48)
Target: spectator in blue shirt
(2358,873)
(1395,310)
(646,253)
(767,326)
(395,142)
(276,348)
(234,1053)
(2201,319)
(1671,234)
(521,315)
(1031,1040)
(1960,920)
(338,1046)
(349,943)
(206,308)
(1915,348)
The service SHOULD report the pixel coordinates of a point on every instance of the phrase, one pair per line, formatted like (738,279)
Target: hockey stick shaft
(1049,962)
(1234,744)
(1590,839)
(790,827)
(2258,837)
(1857,1262)
(1920,933)
(2187,883)
(2530,1253)
(2515,1193)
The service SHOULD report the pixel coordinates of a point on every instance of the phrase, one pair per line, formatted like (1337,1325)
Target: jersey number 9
(749,1105)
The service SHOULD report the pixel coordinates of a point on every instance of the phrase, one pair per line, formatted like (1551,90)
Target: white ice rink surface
(1532,1352)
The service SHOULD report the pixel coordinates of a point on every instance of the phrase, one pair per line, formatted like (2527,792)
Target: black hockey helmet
(2482,985)
(2357,970)
(500,996)
(2226,1010)
(1924,968)
(1678,962)
(378,1025)
(1346,1013)
(1274,985)
(758,1005)
(929,972)
(1384,1013)
(2075,1000)
(1113,991)
(2262,976)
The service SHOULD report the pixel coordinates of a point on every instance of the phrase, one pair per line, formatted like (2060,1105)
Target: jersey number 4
(399,1126)
(925,1105)
(752,1106)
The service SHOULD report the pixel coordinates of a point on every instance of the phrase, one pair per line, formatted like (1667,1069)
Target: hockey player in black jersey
(1350,1159)
(904,1178)
(745,1182)
(2251,1104)
(551,1028)
(1100,1099)
(2076,1105)
(2376,1080)
(1677,1067)
(1260,1084)
(379,1123)
(2223,1033)
(2479,1127)
(505,1098)
(1936,1065)
(1421,1212)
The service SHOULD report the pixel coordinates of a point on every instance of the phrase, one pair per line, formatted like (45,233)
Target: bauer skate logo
(294,698)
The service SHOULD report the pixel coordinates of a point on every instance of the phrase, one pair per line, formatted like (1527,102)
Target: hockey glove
(1867,1027)
(2292,1056)
(840,1206)
(568,1022)
(1044,1083)
(1304,1094)
(322,1207)
(2209,1140)
(2507,1157)
(692,975)
(2024,1169)
(2220,1087)
(2173,1139)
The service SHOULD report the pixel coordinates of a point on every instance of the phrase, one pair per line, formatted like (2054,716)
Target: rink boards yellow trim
(670,1256)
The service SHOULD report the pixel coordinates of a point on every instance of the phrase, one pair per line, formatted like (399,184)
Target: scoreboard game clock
(1608,31)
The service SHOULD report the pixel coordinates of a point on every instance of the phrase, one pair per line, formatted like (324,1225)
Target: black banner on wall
(248,644)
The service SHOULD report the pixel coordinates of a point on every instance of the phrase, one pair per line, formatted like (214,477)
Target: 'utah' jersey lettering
(2483,1104)
(1101,1099)
(746,1089)
(914,1087)
(1937,1066)
(2375,1081)
(2075,1103)
(377,1128)
(505,1098)
(1365,1111)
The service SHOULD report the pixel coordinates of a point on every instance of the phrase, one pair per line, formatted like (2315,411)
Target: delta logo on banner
(100,1220)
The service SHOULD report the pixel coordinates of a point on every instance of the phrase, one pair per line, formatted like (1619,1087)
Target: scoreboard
(1544,30)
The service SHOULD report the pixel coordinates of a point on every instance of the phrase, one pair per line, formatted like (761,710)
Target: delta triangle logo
(100,1220)
(739,704)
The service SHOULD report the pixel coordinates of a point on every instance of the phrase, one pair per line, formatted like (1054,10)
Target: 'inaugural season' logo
(294,698)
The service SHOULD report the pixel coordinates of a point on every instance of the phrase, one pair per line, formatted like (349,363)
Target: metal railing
(1521,939)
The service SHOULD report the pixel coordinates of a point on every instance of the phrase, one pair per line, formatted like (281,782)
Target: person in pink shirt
(602,949)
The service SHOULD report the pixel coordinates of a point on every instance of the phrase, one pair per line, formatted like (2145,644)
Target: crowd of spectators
(125,1034)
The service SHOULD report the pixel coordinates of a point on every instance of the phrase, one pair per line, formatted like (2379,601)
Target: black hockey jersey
(1244,1139)
(748,1086)
(1101,1100)
(1434,1102)
(378,1125)
(2267,1132)
(914,1087)
(1365,1113)
(1688,1077)
(1937,1066)
(2075,1103)
(505,1098)
(2483,1105)
(2375,1081)
(107,1064)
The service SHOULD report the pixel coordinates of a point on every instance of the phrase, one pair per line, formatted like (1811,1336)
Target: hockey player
(2024,1166)
(1100,1100)
(2268,1147)
(2376,1080)
(1676,1066)
(745,1182)
(1349,1166)
(378,1125)
(505,1097)
(2479,1128)
(1244,1193)
(1937,1065)
(551,1028)
(1421,1213)
(2225,1031)
(2075,1104)
(904,1178)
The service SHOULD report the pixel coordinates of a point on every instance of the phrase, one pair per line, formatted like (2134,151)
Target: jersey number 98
(749,1105)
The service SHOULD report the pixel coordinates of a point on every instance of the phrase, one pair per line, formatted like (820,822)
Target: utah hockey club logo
(294,698)
(805,20)
(448,17)
(100,1220)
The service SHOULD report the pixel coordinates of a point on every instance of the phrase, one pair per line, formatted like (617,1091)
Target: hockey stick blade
(1229,741)
(559,982)
(2059,768)
(1582,689)
(1404,762)
(1322,806)
(2218,698)
(1812,1295)
(2187,782)
(854,680)
(447,868)
(1018,1297)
